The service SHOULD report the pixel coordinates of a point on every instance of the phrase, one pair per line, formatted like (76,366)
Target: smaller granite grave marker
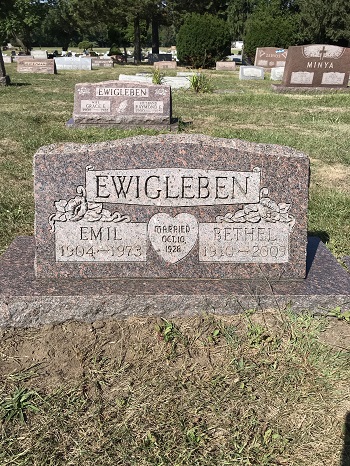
(36,65)
(317,65)
(73,63)
(277,73)
(7,58)
(251,72)
(136,78)
(164,65)
(225,66)
(270,57)
(41,54)
(97,62)
(154,57)
(125,104)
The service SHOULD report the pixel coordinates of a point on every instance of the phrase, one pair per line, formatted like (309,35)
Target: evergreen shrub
(202,40)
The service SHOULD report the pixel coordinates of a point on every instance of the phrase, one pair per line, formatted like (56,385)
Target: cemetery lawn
(263,388)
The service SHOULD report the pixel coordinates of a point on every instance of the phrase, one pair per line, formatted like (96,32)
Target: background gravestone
(73,63)
(154,57)
(124,104)
(251,72)
(225,66)
(270,57)
(4,79)
(41,54)
(317,66)
(36,65)
(277,73)
(164,65)
(171,207)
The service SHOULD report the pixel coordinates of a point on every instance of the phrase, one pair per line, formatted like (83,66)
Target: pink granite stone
(171,206)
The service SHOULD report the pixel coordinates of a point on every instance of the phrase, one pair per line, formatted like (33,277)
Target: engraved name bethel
(255,231)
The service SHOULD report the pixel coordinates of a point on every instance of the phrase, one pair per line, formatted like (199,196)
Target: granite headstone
(123,104)
(98,62)
(225,66)
(73,63)
(36,65)
(251,72)
(317,65)
(164,65)
(277,73)
(154,57)
(270,57)
(7,58)
(170,206)
(41,54)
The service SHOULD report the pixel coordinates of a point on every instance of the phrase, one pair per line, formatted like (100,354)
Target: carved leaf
(283,207)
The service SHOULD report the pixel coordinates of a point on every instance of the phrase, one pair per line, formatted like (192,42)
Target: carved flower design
(72,210)
(79,208)
(266,209)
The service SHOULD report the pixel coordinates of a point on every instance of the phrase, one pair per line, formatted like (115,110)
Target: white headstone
(251,72)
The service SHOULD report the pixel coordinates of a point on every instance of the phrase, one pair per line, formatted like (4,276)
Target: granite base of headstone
(170,225)
(122,104)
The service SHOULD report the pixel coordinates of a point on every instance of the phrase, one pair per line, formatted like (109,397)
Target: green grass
(35,108)
(257,389)
(265,391)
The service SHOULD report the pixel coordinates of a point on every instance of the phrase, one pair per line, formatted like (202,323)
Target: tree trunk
(137,40)
(155,35)
(4,79)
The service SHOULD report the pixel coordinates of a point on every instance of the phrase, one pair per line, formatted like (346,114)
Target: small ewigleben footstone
(171,207)
(123,104)
(36,65)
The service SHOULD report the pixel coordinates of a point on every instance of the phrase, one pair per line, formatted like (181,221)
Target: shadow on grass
(345,457)
(19,84)
(323,235)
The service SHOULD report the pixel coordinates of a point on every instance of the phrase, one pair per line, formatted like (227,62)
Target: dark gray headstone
(154,57)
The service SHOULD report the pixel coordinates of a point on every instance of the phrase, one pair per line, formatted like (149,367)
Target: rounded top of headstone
(167,141)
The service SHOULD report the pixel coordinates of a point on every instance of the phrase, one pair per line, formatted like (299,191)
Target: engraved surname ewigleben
(173,186)
(122,91)
(100,242)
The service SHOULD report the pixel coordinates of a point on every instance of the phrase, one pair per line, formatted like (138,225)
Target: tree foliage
(269,25)
(202,40)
